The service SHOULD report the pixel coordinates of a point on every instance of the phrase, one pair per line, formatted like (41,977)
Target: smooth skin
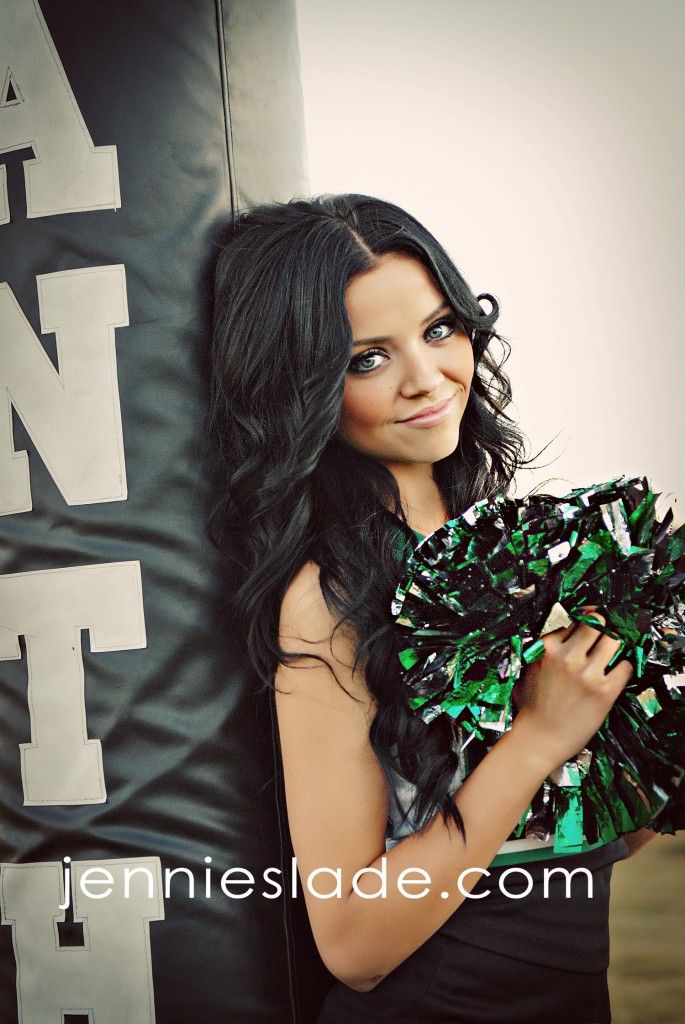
(336,791)
(421,357)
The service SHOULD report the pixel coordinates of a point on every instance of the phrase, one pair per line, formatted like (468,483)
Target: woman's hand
(567,693)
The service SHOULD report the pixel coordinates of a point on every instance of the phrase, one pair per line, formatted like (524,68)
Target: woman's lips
(431,416)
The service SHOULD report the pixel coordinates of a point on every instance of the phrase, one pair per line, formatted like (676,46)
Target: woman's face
(409,354)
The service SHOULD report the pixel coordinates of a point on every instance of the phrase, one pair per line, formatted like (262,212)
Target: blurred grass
(647,971)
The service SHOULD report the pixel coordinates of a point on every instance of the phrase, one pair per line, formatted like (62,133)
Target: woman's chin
(424,449)
(434,449)
(429,454)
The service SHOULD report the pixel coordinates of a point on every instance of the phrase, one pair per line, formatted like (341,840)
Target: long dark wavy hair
(291,489)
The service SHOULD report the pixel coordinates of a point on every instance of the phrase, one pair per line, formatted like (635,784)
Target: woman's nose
(421,375)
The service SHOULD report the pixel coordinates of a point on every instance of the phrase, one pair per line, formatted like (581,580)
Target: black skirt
(535,959)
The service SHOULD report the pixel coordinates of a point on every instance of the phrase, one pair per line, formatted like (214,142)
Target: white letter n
(72,415)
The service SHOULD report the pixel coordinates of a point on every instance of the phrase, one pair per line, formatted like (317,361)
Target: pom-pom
(478,594)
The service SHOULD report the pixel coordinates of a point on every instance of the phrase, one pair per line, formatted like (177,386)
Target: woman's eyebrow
(376,341)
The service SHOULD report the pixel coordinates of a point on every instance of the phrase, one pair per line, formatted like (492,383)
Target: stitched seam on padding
(228,124)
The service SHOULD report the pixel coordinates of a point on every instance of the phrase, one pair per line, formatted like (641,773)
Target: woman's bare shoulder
(304,611)
(308,625)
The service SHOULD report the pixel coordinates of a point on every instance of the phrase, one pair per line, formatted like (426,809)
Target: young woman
(356,408)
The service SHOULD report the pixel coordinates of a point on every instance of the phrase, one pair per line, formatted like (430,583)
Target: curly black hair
(291,489)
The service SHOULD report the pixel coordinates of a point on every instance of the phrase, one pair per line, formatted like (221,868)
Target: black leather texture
(203,103)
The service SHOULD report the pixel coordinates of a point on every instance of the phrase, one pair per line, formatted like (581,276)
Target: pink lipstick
(429,417)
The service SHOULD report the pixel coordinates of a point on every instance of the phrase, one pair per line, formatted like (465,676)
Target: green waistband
(545,854)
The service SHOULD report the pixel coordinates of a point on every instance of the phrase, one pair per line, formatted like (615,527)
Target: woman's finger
(583,635)
(605,648)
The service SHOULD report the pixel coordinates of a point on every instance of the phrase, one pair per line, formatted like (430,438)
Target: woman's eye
(449,324)
(365,362)
(371,359)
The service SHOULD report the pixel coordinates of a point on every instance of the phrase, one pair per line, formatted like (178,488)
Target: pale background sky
(543,143)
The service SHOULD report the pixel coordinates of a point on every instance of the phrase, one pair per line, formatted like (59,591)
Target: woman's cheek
(361,411)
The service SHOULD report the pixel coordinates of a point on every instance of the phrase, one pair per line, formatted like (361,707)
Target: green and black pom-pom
(476,597)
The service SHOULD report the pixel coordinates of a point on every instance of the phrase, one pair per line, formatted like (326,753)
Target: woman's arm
(337,804)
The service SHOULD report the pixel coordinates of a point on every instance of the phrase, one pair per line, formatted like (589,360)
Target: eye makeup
(357,368)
